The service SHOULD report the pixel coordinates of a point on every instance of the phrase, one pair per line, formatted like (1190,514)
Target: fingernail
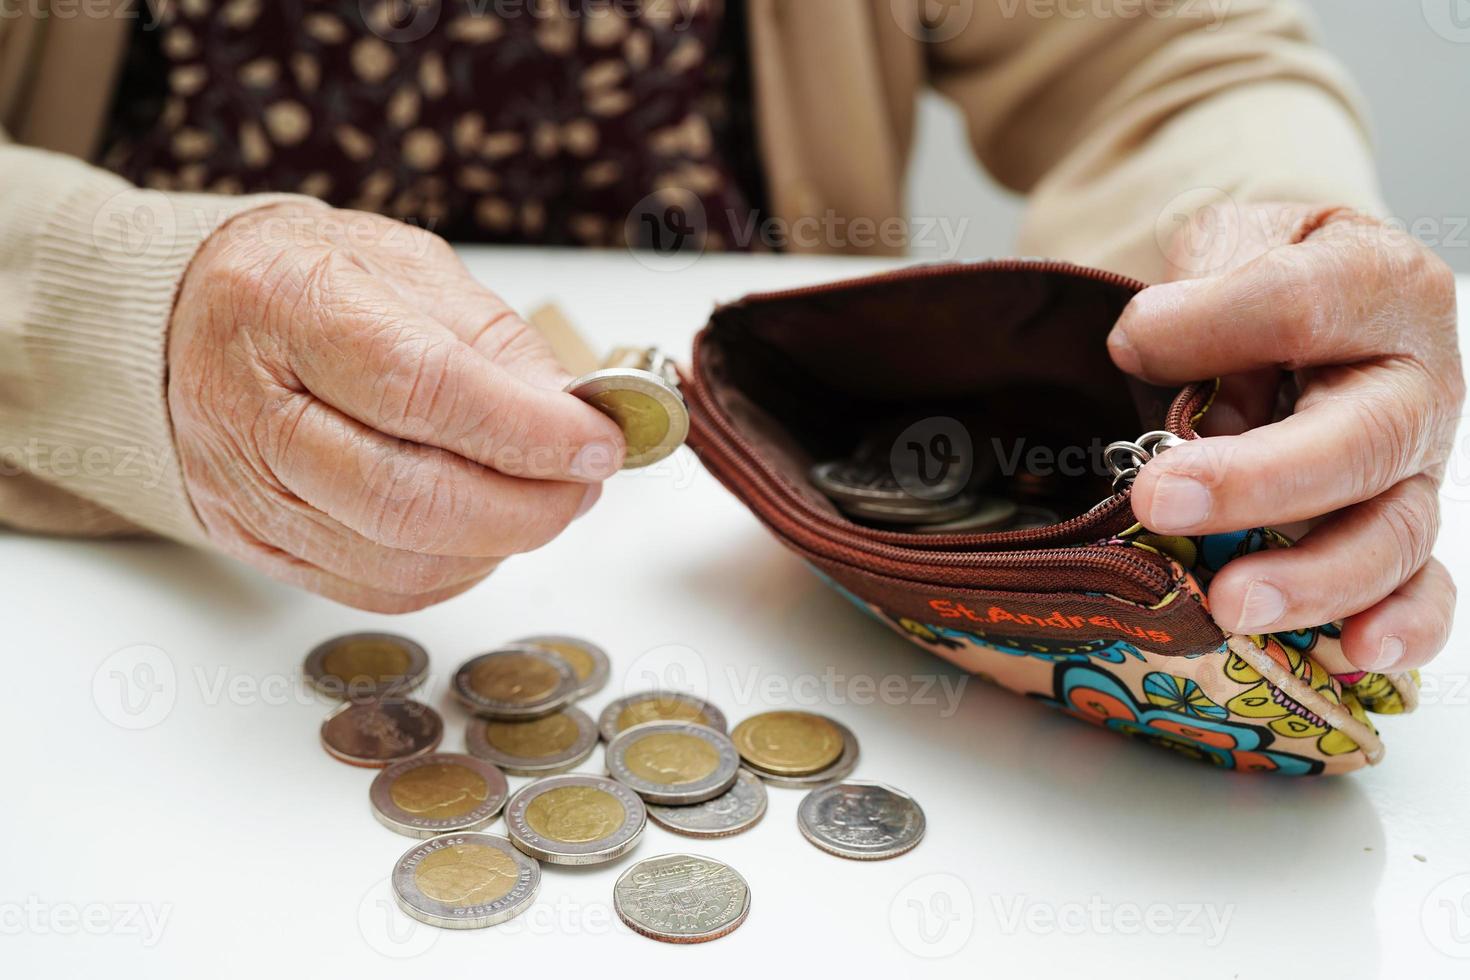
(1390,653)
(1263,607)
(1179,504)
(1125,355)
(593,494)
(595,461)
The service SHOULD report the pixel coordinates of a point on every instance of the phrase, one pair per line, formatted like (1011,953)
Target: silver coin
(366,666)
(866,482)
(911,511)
(575,819)
(736,810)
(681,898)
(465,881)
(673,762)
(840,769)
(989,514)
(540,747)
(649,410)
(515,683)
(861,820)
(443,793)
(587,660)
(646,706)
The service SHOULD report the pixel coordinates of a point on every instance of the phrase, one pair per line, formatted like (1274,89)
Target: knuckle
(1386,442)
(1411,519)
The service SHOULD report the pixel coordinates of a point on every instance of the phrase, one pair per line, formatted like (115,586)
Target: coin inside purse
(972,386)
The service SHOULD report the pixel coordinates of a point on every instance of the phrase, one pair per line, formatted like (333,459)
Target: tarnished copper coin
(366,666)
(375,734)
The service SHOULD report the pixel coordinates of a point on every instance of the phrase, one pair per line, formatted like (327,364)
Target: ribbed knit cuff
(107,262)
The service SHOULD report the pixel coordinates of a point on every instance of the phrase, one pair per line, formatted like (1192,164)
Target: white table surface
(219,840)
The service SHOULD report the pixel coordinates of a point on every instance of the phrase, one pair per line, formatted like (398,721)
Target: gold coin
(466,875)
(514,678)
(533,739)
(661,709)
(575,814)
(649,410)
(439,791)
(788,743)
(645,422)
(364,666)
(580,660)
(671,758)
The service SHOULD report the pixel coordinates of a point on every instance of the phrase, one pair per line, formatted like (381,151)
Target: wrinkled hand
(356,415)
(1356,323)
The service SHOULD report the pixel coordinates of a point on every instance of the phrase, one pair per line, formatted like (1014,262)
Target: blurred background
(1411,59)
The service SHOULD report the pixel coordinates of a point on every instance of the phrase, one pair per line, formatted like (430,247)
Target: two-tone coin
(649,410)
(575,819)
(673,762)
(465,881)
(736,810)
(861,820)
(366,666)
(540,747)
(442,793)
(588,660)
(515,683)
(765,747)
(646,706)
(374,734)
(681,898)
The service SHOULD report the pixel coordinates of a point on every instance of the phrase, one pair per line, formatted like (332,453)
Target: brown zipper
(925,558)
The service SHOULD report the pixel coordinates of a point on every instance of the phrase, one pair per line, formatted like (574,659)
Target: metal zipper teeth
(822,531)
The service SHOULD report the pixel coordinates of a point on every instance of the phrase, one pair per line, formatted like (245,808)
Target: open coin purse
(1084,609)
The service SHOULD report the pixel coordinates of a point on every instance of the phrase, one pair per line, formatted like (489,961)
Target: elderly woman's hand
(357,415)
(1357,322)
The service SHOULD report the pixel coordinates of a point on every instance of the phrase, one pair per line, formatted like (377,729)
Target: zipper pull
(650,359)
(1134,455)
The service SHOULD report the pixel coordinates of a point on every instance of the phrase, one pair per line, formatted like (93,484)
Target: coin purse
(1090,613)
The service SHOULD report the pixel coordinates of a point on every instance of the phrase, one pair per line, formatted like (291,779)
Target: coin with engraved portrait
(845,763)
(587,660)
(435,794)
(861,820)
(737,809)
(515,683)
(681,898)
(540,747)
(788,743)
(465,881)
(374,734)
(646,706)
(366,666)
(649,410)
(575,819)
(673,762)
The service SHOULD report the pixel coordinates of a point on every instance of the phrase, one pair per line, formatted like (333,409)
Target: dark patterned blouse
(555,122)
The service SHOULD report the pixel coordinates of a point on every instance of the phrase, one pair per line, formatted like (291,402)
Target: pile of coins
(668,757)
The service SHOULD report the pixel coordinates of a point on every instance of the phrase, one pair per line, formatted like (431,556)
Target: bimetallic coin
(788,743)
(443,793)
(539,747)
(737,809)
(646,706)
(366,666)
(588,660)
(861,820)
(465,881)
(374,734)
(648,409)
(991,514)
(681,898)
(515,683)
(575,819)
(843,767)
(673,762)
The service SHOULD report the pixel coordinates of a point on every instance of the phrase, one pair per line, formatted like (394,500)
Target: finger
(1356,433)
(1244,402)
(1330,299)
(1408,628)
(412,497)
(405,375)
(1344,566)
